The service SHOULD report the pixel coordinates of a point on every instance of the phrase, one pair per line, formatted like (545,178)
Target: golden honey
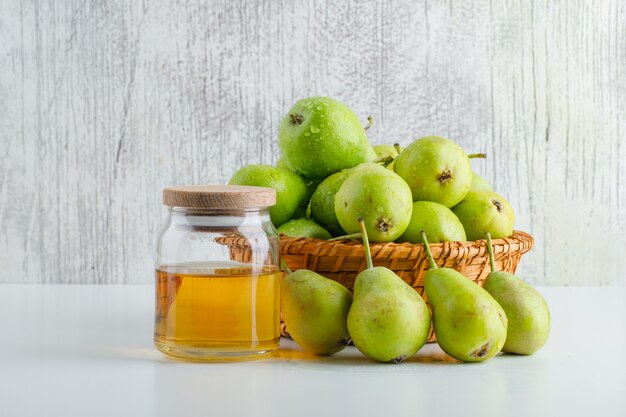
(217,310)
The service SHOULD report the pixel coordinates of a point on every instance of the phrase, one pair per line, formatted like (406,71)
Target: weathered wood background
(102,104)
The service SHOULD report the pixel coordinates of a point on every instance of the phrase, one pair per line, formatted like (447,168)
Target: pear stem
(492,260)
(385,160)
(370,122)
(398,148)
(346,237)
(283,264)
(366,243)
(431,261)
(477,155)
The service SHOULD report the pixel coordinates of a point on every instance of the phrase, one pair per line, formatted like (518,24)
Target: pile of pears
(329,175)
(389,322)
(332,184)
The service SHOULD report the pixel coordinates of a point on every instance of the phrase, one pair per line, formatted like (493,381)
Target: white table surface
(87,351)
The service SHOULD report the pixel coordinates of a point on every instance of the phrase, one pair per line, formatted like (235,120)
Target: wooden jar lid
(219,196)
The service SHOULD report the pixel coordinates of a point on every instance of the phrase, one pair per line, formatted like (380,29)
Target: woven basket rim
(517,237)
(518,241)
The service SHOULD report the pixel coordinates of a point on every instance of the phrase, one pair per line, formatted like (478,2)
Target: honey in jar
(210,304)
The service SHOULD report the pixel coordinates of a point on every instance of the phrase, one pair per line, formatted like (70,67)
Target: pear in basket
(387,154)
(322,205)
(479,183)
(303,228)
(437,169)
(378,196)
(327,129)
(485,211)
(437,220)
(291,190)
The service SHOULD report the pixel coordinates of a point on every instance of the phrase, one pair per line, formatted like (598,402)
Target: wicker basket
(343,260)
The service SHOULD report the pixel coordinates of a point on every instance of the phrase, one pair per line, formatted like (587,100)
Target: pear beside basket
(343,260)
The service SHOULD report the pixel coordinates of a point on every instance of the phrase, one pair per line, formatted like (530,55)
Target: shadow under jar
(209,306)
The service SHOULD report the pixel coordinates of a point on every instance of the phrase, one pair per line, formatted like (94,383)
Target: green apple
(291,190)
(320,136)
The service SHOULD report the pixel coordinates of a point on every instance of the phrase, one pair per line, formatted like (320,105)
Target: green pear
(469,323)
(384,151)
(322,204)
(387,152)
(315,310)
(438,221)
(377,195)
(320,136)
(485,211)
(304,210)
(436,169)
(479,183)
(388,320)
(303,228)
(291,190)
(301,211)
(526,310)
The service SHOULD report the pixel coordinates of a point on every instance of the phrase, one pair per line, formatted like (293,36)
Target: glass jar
(213,302)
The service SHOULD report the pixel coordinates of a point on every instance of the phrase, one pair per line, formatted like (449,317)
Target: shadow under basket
(343,260)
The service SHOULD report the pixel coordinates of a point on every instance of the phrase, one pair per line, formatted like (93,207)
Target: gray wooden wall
(102,104)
